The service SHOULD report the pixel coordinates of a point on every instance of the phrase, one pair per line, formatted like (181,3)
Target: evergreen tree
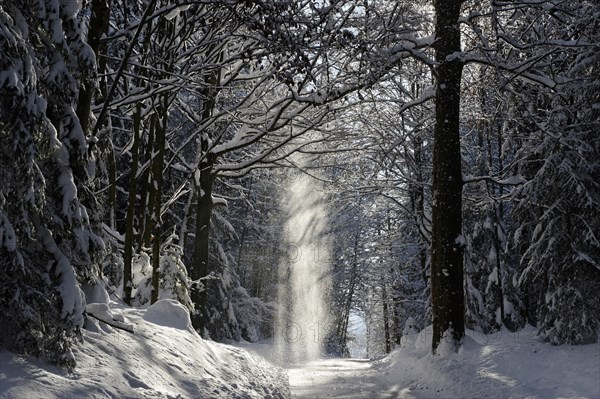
(553,130)
(47,244)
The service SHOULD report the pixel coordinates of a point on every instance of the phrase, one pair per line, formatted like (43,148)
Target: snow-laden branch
(122,67)
(509,181)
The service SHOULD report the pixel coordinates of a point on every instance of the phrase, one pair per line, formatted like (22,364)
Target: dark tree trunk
(148,192)
(386,318)
(157,176)
(135,159)
(498,216)
(500,225)
(131,200)
(342,331)
(98,26)
(199,267)
(396,302)
(111,169)
(204,207)
(186,221)
(447,296)
(419,207)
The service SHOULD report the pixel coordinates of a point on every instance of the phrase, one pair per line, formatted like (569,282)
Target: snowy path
(504,365)
(341,378)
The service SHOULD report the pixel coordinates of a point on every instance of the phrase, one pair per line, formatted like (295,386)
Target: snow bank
(503,365)
(163,359)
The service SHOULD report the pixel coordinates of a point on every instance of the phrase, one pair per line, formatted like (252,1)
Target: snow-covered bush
(173,279)
(255,318)
(409,334)
(141,273)
(222,321)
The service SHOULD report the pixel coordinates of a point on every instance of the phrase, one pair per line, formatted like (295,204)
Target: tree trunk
(447,296)
(148,191)
(111,170)
(499,212)
(99,21)
(157,177)
(204,206)
(129,218)
(419,206)
(135,159)
(241,270)
(342,332)
(397,317)
(183,229)
(386,318)
(199,266)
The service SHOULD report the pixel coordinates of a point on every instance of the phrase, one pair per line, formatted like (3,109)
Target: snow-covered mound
(163,358)
(504,365)
(169,313)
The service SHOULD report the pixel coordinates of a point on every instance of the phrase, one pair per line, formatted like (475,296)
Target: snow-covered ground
(340,378)
(503,366)
(164,358)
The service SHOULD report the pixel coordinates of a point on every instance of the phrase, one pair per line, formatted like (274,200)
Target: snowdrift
(504,365)
(164,358)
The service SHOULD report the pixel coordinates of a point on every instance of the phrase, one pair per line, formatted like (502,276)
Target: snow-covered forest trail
(341,378)
(503,366)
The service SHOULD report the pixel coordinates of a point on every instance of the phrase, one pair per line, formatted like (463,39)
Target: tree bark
(157,177)
(111,170)
(99,21)
(135,159)
(342,332)
(447,294)
(419,206)
(131,200)
(499,214)
(199,267)
(386,318)
(148,192)
(204,207)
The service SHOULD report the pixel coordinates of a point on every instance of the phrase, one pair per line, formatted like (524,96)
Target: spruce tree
(47,244)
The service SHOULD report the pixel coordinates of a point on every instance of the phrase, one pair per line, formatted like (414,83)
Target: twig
(115,323)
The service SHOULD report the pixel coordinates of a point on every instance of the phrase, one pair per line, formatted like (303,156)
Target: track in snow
(341,378)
